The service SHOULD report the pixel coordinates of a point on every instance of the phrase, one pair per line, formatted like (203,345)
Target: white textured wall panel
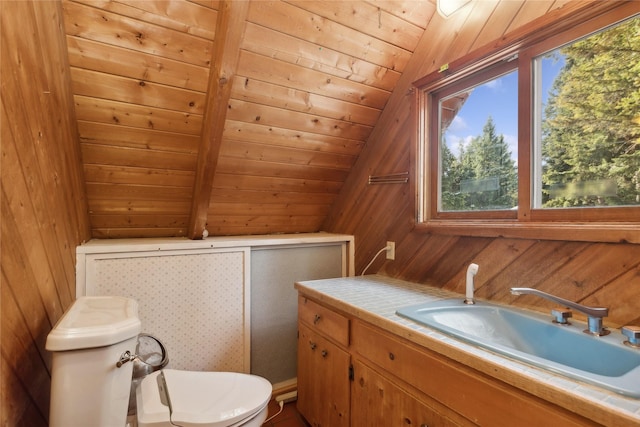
(196,304)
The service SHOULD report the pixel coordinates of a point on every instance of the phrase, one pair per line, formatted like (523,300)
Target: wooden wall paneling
(260,225)
(186,17)
(128,156)
(248,150)
(270,116)
(384,206)
(100,206)
(298,77)
(116,88)
(476,21)
(212,4)
(327,33)
(30,286)
(291,138)
(598,265)
(24,216)
(139,192)
(386,160)
(17,406)
(222,196)
(293,50)
(369,19)
(529,12)
(44,211)
(237,182)
(492,259)
(35,214)
(131,233)
(374,221)
(97,56)
(170,221)
(447,268)
(620,295)
(430,54)
(69,170)
(497,23)
(122,136)
(261,92)
(530,268)
(23,357)
(138,116)
(138,176)
(31,168)
(233,165)
(418,13)
(224,64)
(114,29)
(292,210)
(422,255)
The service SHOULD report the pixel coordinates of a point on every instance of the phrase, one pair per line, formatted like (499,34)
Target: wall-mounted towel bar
(394,178)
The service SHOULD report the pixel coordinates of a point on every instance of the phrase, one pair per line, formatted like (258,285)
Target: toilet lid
(212,399)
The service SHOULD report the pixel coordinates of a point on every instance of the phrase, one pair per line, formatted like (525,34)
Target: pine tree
(591,135)
(482,177)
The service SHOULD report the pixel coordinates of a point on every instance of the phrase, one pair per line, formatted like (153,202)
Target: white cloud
(458,124)
(512,142)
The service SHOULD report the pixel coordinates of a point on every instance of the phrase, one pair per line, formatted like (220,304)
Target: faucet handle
(633,333)
(561,315)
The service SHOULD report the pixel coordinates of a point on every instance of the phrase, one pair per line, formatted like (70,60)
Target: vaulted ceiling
(239,117)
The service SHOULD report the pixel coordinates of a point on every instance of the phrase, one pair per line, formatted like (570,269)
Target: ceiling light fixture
(446,8)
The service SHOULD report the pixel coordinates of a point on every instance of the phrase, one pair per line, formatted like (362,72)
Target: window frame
(606,224)
(498,69)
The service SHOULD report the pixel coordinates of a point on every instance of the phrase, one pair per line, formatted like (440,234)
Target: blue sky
(496,99)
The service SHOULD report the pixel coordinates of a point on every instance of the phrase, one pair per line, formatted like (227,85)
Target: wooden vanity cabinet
(352,373)
(377,401)
(323,366)
(478,398)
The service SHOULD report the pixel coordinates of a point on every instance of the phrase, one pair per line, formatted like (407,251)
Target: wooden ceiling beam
(226,51)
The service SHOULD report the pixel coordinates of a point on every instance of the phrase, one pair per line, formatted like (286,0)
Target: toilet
(91,377)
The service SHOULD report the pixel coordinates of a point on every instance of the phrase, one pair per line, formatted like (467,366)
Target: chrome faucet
(594,314)
(472,270)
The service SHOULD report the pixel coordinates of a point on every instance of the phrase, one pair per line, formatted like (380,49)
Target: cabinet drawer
(323,320)
(478,398)
(377,401)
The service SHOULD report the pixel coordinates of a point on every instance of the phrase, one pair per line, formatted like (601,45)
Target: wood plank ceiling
(261,144)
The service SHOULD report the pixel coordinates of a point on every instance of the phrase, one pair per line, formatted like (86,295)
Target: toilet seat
(202,399)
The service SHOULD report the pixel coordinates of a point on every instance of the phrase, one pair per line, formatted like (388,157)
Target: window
(478,143)
(537,137)
(587,99)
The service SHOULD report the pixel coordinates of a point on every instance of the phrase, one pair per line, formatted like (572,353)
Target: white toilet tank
(87,388)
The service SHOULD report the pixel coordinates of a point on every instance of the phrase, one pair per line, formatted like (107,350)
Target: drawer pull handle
(312,345)
(392,356)
(316,319)
(324,353)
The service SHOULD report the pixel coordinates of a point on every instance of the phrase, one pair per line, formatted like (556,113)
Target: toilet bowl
(91,377)
(212,399)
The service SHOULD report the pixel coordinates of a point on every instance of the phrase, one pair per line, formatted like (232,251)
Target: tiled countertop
(375,299)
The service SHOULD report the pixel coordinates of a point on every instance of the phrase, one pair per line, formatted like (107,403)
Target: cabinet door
(376,401)
(323,380)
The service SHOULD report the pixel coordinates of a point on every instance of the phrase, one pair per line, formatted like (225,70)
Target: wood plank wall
(590,273)
(310,82)
(44,213)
